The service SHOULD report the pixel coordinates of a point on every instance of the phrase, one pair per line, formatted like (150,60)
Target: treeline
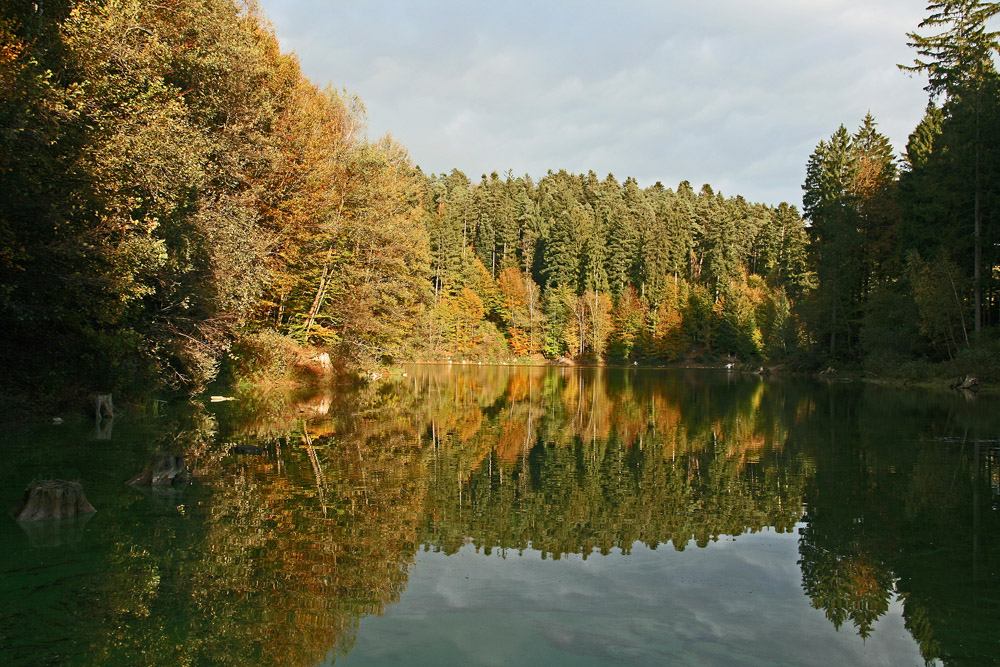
(581,267)
(906,250)
(172,184)
(176,196)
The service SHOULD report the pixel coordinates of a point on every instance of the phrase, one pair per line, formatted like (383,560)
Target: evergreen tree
(959,64)
(878,212)
(829,205)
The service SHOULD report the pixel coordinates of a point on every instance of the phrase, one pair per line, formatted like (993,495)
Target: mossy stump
(52,499)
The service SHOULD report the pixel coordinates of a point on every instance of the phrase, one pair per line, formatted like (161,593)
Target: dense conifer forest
(177,200)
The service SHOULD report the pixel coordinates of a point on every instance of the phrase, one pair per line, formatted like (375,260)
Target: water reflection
(284,551)
(904,504)
(309,509)
(62,532)
(582,461)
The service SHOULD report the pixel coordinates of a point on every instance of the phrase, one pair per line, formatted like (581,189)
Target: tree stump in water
(166,469)
(52,499)
(103,406)
(968,383)
(323,359)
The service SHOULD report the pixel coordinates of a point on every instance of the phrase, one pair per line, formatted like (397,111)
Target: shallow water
(501,515)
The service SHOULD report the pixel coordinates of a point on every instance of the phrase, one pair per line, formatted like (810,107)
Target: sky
(728,92)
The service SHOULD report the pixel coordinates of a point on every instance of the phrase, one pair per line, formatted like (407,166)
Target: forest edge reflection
(284,552)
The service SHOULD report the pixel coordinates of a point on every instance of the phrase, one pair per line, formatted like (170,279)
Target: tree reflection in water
(583,461)
(289,549)
(903,504)
(275,558)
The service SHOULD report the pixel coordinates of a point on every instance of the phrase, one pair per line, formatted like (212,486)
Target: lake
(518,515)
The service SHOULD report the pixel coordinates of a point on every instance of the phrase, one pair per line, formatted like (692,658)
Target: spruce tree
(958,61)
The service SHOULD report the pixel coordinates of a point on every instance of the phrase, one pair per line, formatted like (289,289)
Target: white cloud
(729,92)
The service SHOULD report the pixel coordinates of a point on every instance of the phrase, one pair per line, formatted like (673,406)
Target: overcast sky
(734,93)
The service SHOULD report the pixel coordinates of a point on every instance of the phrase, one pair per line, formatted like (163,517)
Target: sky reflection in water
(730,603)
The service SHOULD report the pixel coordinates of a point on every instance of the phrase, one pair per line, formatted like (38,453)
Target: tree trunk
(320,292)
(324,279)
(977,297)
(833,328)
(281,309)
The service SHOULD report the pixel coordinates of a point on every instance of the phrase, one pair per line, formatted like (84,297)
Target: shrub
(267,357)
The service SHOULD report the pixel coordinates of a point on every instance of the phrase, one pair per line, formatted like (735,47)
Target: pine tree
(958,61)
(874,191)
(829,205)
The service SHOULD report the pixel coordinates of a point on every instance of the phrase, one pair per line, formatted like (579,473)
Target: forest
(178,202)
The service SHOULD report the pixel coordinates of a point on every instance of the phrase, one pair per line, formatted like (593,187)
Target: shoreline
(941,384)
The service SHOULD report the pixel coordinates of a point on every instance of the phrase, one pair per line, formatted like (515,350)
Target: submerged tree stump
(166,469)
(103,407)
(52,499)
(968,383)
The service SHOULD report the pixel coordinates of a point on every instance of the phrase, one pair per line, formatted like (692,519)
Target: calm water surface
(500,515)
